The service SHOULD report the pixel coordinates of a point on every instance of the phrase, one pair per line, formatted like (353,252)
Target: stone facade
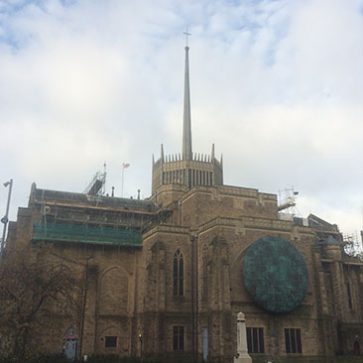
(128,291)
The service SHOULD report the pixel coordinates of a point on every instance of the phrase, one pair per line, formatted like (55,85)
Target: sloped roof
(46,195)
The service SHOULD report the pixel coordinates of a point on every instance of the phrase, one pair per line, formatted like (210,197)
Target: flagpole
(124,166)
(122,181)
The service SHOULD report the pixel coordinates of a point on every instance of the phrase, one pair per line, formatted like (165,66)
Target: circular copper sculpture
(275,274)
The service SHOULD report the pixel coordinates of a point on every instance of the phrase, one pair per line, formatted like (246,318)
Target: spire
(162,153)
(187,128)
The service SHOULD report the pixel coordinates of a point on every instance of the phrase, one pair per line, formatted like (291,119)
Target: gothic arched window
(178,274)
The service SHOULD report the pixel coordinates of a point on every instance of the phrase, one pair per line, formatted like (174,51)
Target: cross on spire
(186,36)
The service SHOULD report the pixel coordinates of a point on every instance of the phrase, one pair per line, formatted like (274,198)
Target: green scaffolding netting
(83,233)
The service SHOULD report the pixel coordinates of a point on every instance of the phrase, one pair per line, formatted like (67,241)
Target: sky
(277,85)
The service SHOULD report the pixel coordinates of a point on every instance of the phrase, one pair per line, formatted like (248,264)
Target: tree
(30,285)
(352,247)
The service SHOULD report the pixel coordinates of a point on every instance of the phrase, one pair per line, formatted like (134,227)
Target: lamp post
(5,219)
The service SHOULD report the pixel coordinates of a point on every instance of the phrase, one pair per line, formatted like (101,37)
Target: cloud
(276,85)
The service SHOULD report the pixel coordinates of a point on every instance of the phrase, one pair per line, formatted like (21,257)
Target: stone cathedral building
(166,276)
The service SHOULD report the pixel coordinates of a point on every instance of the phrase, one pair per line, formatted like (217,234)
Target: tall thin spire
(187,127)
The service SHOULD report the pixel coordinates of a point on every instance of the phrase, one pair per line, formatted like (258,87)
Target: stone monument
(242,352)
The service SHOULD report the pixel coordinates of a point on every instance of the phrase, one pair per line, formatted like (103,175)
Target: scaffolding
(287,200)
(352,244)
(89,234)
(97,184)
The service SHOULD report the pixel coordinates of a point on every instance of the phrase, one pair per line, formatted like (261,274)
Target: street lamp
(5,219)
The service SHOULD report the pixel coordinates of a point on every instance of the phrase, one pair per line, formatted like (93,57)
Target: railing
(82,233)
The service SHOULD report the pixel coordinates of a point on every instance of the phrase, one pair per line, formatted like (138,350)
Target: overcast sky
(277,85)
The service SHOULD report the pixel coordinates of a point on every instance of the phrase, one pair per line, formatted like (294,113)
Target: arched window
(178,274)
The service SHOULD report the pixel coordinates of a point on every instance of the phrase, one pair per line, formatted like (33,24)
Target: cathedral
(166,276)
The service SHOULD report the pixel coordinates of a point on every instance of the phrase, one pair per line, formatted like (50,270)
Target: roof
(54,196)
(316,222)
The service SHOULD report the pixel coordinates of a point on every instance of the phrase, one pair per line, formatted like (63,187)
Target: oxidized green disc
(275,274)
